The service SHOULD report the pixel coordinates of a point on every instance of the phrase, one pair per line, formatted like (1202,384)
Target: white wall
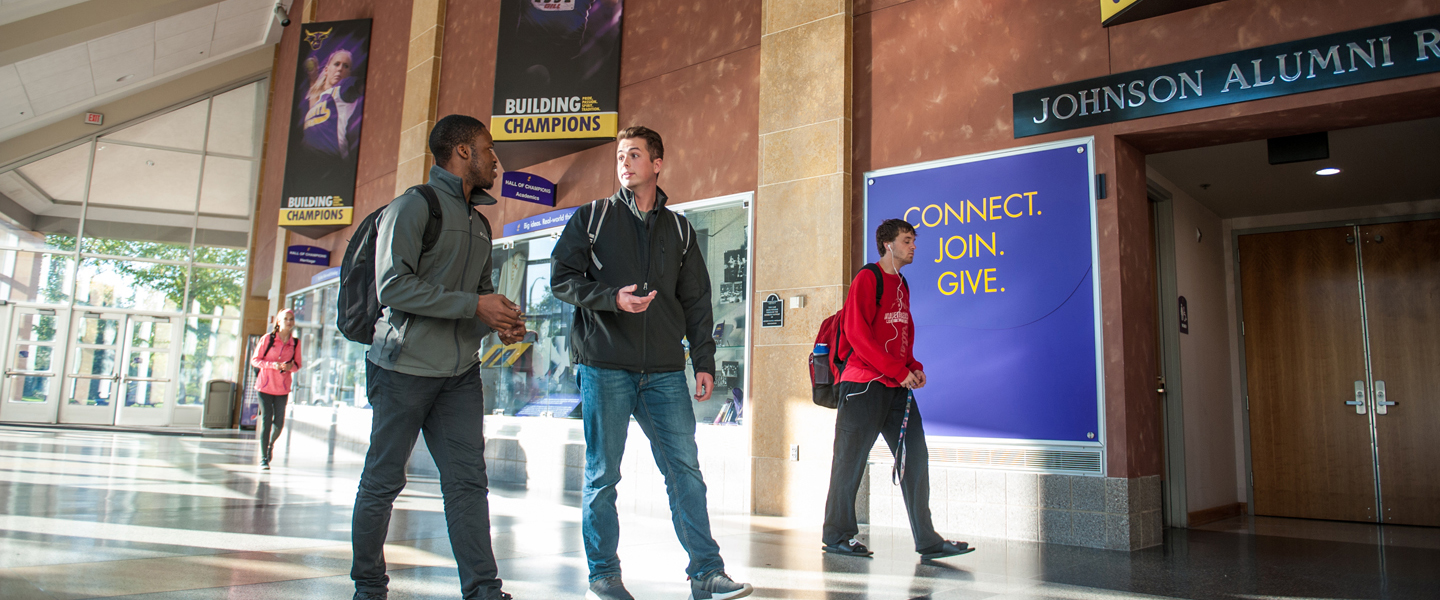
(1210,410)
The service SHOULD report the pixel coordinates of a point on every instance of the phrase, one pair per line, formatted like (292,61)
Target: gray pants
(451,412)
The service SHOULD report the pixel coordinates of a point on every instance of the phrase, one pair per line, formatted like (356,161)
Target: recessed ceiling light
(125,78)
(1328,171)
(150,163)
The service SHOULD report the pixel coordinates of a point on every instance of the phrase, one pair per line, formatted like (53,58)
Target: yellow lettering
(964,247)
(971,210)
(907,214)
(993,205)
(980,241)
(940,283)
(1006,206)
(974,281)
(950,211)
(927,211)
(1031,197)
(988,279)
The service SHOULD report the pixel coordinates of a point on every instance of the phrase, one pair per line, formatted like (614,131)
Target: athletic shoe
(498,594)
(718,586)
(946,549)
(368,596)
(608,588)
(264,465)
(850,548)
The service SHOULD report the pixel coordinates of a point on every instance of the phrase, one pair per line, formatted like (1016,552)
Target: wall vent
(1039,459)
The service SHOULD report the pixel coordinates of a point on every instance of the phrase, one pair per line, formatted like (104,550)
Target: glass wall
(151,218)
(334,367)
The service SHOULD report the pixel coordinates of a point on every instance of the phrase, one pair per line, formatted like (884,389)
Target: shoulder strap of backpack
(685,229)
(432,227)
(874,269)
(592,228)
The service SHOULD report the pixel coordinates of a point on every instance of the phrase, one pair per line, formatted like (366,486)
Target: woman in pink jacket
(277,357)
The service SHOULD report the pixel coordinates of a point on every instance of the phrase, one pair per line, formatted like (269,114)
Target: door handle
(1381,404)
(1359,401)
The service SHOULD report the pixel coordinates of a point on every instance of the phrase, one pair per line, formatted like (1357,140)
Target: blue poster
(1003,290)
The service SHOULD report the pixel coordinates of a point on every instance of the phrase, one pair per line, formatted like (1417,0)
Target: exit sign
(94,119)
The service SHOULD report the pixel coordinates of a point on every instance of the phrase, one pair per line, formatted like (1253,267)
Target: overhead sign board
(552,219)
(1003,290)
(527,188)
(307,255)
(1330,61)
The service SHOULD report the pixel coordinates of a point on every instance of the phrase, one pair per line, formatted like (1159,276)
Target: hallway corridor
(87,514)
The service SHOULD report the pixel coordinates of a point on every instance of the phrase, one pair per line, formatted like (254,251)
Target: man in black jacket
(636,276)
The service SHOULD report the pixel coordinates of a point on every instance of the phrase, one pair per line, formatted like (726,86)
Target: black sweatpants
(272,420)
(867,410)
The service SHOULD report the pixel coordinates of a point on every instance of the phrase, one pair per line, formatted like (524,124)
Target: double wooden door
(1342,355)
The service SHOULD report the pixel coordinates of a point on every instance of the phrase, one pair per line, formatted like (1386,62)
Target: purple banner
(554,218)
(307,255)
(1003,290)
(528,188)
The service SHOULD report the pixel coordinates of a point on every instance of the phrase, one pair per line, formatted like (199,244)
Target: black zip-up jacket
(631,252)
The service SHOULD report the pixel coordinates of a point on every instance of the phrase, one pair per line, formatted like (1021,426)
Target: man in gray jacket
(421,371)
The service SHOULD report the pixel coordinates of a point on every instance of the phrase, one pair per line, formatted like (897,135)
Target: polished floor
(92,514)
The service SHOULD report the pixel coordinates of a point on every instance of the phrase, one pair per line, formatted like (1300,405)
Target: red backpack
(825,369)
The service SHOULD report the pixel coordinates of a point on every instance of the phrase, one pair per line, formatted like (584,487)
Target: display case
(536,378)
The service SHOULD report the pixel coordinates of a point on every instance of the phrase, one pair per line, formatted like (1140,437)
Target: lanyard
(897,473)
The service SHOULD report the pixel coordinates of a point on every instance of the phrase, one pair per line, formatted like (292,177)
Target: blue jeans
(660,402)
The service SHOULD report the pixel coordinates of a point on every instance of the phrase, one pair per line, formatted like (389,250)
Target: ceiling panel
(233,118)
(183,129)
(200,18)
(125,41)
(184,40)
(118,70)
(131,177)
(227,185)
(14,105)
(60,176)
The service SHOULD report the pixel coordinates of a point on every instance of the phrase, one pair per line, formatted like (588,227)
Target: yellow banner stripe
(577,126)
(339,215)
(1110,8)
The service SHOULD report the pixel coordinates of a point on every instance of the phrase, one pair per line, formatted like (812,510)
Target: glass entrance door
(31,388)
(120,370)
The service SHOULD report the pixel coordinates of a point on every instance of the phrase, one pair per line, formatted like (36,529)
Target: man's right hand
(499,312)
(912,380)
(627,301)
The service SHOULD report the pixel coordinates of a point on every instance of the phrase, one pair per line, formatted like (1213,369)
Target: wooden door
(1304,350)
(1402,298)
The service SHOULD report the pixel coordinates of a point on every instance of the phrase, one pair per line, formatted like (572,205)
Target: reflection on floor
(88,514)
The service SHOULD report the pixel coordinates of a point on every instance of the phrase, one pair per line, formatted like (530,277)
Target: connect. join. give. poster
(1003,290)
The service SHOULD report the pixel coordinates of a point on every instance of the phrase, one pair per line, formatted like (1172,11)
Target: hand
(513,335)
(627,301)
(499,313)
(704,385)
(921,376)
(912,380)
(283,367)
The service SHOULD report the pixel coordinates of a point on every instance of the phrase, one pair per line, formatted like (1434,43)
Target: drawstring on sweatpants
(897,474)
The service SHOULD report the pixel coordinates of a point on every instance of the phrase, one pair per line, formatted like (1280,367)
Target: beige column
(802,232)
(422,88)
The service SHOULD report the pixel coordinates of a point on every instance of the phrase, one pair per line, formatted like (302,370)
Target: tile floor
(87,514)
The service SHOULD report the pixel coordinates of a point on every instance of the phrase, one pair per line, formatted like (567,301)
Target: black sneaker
(849,548)
(608,588)
(265,466)
(946,549)
(718,586)
(498,594)
(368,596)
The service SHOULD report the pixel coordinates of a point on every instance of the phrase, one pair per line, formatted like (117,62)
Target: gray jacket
(428,326)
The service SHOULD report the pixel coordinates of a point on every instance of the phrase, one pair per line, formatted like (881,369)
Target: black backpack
(359,307)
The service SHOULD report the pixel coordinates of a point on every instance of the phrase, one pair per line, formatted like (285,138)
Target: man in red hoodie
(874,394)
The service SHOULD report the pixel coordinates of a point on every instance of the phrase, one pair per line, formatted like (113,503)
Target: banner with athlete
(326,117)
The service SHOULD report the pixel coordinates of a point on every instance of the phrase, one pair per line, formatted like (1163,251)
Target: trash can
(219,403)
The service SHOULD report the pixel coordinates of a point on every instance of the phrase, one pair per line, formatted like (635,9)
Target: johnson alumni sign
(1361,56)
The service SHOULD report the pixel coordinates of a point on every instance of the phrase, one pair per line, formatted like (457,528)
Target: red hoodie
(883,337)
